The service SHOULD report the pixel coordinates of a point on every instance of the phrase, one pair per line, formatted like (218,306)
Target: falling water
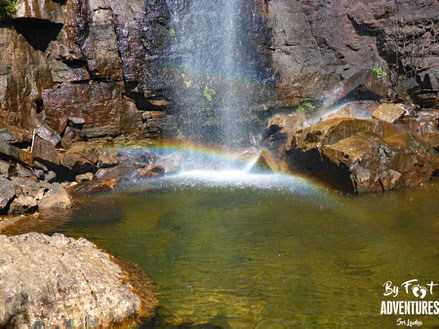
(218,70)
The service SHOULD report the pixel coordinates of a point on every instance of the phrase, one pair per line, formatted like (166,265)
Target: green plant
(265,108)
(208,93)
(380,72)
(306,107)
(7,9)
(188,84)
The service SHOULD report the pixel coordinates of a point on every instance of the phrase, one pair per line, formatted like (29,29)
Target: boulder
(49,282)
(10,152)
(45,152)
(93,186)
(107,159)
(28,195)
(84,177)
(390,112)
(47,134)
(7,192)
(361,155)
(55,198)
(266,162)
(81,158)
(149,171)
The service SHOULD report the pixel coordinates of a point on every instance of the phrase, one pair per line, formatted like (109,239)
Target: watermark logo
(418,294)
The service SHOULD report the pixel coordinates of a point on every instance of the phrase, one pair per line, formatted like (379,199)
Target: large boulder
(48,282)
(361,155)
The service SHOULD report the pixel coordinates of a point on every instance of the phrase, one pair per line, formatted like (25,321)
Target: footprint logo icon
(419,291)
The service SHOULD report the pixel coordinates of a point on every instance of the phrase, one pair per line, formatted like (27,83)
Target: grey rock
(53,281)
(7,192)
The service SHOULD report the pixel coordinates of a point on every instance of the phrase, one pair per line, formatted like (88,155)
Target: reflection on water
(237,255)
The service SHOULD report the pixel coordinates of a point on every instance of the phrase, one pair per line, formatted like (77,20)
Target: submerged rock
(48,282)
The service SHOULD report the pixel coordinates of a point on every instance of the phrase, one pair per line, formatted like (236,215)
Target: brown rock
(9,152)
(13,134)
(45,152)
(266,161)
(356,110)
(149,171)
(94,186)
(81,158)
(288,122)
(390,112)
(55,198)
(361,155)
(84,177)
(100,105)
(107,159)
(364,80)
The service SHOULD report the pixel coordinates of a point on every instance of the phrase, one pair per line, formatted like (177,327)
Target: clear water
(265,251)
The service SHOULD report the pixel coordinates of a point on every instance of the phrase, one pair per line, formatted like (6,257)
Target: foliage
(7,9)
(380,72)
(208,93)
(306,107)
(265,108)
(188,84)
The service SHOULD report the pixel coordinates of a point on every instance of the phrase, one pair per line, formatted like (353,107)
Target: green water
(267,253)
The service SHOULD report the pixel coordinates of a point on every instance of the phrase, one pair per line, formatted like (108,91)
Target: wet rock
(10,152)
(390,112)
(7,192)
(102,106)
(84,177)
(361,155)
(149,171)
(78,284)
(356,110)
(288,122)
(107,159)
(45,152)
(81,158)
(266,162)
(171,163)
(55,198)
(364,81)
(94,186)
(48,135)
(13,134)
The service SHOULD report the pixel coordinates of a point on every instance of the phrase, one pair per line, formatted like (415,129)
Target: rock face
(317,42)
(359,155)
(58,281)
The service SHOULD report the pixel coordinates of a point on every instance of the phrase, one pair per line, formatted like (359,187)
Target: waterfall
(217,70)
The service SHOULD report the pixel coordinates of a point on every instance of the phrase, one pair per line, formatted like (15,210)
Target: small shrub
(7,9)
(306,107)
(380,72)
(208,93)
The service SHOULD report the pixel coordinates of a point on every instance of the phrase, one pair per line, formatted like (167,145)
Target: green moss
(306,107)
(7,9)
(380,72)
